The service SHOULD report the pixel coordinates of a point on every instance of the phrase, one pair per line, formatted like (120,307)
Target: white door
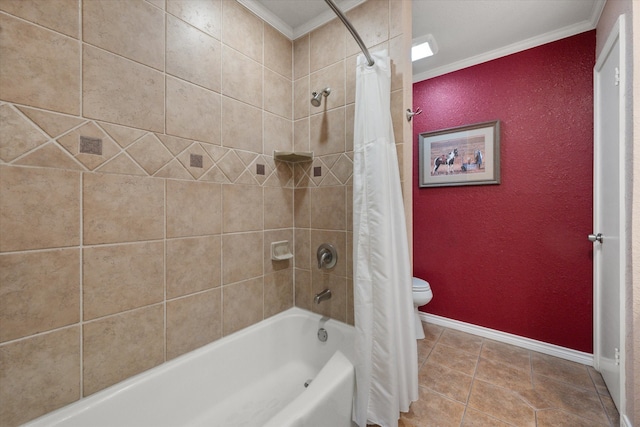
(608,223)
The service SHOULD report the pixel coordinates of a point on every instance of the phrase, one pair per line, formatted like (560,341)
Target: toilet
(421,295)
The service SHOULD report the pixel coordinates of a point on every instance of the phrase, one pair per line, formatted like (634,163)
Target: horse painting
(442,160)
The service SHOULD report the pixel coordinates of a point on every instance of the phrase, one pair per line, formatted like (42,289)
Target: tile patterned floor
(466,380)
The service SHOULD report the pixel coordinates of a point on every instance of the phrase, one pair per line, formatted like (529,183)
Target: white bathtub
(255,377)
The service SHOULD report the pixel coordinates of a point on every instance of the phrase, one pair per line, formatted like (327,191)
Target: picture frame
(464,155)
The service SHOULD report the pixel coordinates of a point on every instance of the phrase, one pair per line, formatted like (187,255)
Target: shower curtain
(386,350)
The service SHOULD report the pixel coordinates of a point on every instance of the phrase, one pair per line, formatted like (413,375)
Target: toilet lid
(420,285)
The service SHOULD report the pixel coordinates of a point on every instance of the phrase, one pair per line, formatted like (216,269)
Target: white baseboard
(528,343)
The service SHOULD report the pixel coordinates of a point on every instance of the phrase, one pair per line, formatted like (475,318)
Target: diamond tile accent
(17,135)
(53,124)
(174,144)
(246,157)
(150,153)
(216,152)
(122,165)
(247,178)
(174,169)
(343,168)
(71,142)
(123,135)
(50,155)
(185,159)
(232,166)
(215,175)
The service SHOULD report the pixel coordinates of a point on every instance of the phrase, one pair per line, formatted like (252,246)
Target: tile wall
(138,192)
(326,57)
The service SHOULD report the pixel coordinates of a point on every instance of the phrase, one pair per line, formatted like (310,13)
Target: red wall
(515,257)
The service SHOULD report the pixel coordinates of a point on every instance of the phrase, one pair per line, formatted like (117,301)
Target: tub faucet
(326,294)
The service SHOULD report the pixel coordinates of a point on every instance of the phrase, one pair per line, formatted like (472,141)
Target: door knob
(595,237)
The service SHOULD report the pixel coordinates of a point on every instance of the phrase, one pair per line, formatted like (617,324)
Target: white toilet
(421,295)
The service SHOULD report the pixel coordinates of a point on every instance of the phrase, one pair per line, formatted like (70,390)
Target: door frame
(617,33)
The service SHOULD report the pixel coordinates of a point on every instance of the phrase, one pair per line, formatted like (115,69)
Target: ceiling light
(423,47)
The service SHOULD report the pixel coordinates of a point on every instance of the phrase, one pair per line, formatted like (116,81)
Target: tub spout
(326,294)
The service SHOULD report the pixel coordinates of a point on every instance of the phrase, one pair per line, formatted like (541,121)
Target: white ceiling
(467,32)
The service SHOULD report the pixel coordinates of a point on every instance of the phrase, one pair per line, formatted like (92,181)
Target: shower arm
(352,30)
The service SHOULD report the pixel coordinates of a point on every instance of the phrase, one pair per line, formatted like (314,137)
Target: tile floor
(466,380)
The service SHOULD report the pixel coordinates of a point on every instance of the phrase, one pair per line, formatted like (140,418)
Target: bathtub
(254,377)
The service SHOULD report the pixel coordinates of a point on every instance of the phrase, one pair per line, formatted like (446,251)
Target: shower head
(316,97)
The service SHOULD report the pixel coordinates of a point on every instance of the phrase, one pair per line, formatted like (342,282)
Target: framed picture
(465,155)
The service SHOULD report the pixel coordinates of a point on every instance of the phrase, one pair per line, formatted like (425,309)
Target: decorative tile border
(41,138)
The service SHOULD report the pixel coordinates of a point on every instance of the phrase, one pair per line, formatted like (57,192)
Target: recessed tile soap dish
(280,251)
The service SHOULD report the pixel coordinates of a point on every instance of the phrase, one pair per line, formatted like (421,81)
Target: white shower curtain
(386,353)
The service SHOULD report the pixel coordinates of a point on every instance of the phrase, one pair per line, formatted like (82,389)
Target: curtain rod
(352,30)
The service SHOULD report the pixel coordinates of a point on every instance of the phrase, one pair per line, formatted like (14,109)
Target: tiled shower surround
(138,192)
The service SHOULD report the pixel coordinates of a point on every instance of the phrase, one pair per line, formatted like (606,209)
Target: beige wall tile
(39,208)
(193,208)
(242,30)
(278,134)
(278,52)
(120,208)
(58,15)
(396,18)
(121,277)
(302,98)
(396,53)
(328,208)
(39,291)
(193,321)
(350,79)
(350,308)
(302,283)
(278,92)
(301,57)
(192,111)
(242,208)
(372,21)
(278,207)
(120,91)
(133,29)
(241,77)
(193,55)
(242,305)
(39,68)
(117,347)
(242,256)
(350,111)
(278,292)
(270,236)
(241,126)
(327,132)
(301,135)
(302,249)
(193,265)
(17,134)
(398,118)
(327,45)
(332,77)
(39,374)
(302,207)
(205,15)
